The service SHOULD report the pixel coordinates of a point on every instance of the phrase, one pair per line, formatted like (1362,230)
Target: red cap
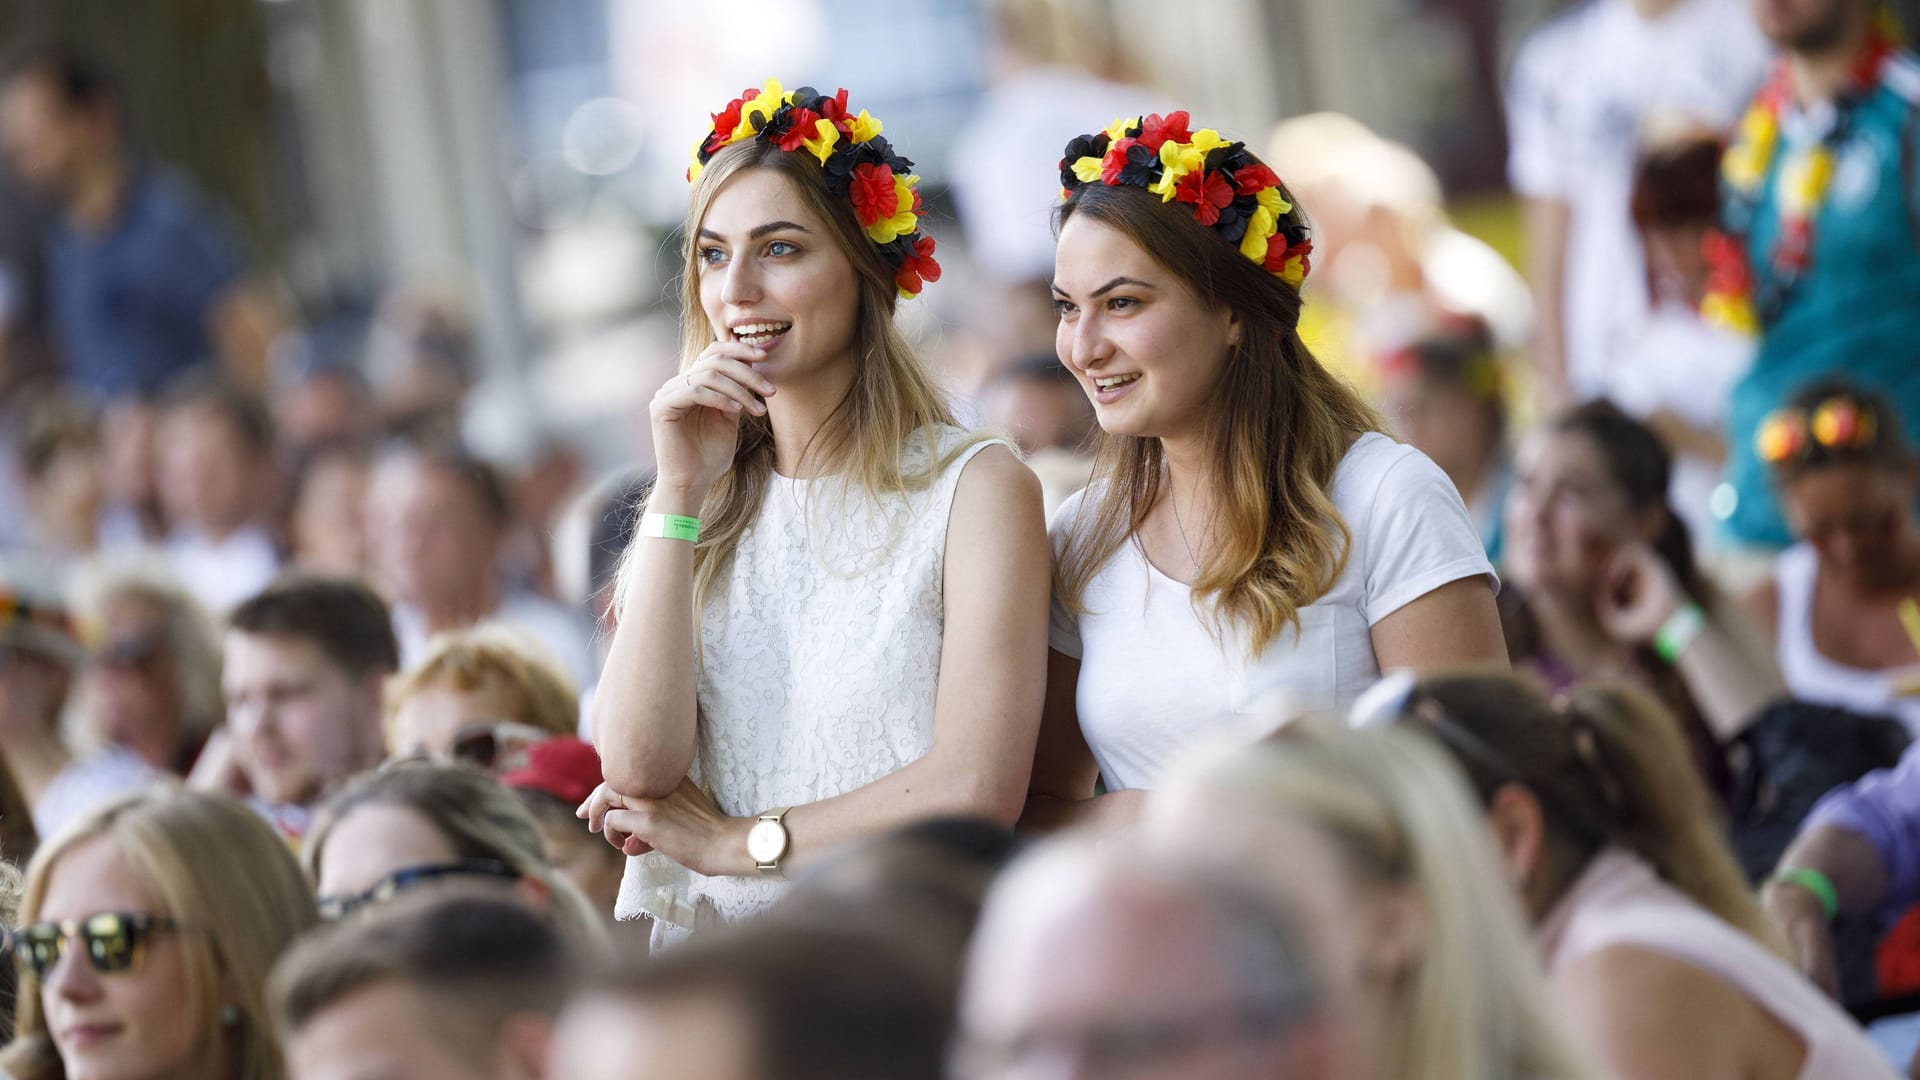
(565,767)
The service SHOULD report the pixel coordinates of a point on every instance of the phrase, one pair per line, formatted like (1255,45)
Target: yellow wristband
(670,527)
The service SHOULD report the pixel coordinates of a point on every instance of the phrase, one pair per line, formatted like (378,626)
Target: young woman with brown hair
(832,621)
(1248,532)
(1660,953)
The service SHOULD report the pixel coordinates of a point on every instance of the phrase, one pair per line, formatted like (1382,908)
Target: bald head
(1083,959)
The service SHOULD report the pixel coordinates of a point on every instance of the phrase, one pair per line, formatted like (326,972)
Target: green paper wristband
(671,527)
(1815,882)
(1678,632)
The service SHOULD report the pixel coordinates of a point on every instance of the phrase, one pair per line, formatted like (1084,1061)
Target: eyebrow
(759,231)
(1108,287)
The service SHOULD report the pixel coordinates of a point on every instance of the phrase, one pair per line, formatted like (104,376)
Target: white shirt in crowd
(222,574)
(558,632)
(1153,678)
(1582,92)
(1679,363)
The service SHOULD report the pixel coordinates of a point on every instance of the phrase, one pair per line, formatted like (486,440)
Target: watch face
(767,841)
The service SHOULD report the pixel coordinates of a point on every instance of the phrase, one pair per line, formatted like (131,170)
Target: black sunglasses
(115,941)
(339,907)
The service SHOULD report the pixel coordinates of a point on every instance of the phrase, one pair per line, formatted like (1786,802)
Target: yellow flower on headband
(770,99)
(1260,229)
(1119,128)
(821,145)
(1179,159)
(863,127)
(1088,169)
(904,220)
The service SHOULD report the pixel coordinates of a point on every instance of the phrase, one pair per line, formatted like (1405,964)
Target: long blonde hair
(1474,1005)
(479,817)
(893,396)
(216,866)
(1279,425)
(1609,766)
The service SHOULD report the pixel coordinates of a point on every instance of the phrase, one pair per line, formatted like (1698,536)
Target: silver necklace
(1188,544)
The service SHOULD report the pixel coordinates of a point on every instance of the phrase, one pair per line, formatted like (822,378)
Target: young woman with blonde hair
(150,928)
(1248,533)
(414,824)
(1374,844)
(1658,950)
(833,619)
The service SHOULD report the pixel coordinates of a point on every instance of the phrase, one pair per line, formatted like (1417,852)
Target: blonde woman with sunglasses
(149,929)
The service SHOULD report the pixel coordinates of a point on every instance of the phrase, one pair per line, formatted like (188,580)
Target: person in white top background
(1248,532)
(1579,97)
(833,619)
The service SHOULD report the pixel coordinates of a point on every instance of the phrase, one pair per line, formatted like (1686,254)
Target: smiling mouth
(1114,382)
(760,333)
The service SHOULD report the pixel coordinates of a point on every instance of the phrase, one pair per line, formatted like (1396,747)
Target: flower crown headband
(1838,423)
(858,164)
(1230,191)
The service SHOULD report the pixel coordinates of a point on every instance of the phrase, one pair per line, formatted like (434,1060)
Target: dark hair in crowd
(79,78)
(1280,425)
(242,411)
(833,1003)
(1678,185)
(1461,356)
(478,959)
(481,479)
(1884,446)
(1609,767)
(344,618)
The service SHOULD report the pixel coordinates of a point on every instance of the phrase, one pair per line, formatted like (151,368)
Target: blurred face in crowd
(607,1037)
(209,474)
(1677,262)
(300,722)
(134,683)
(129,431)
(33,690)
(1076,984)
(67,495)
(1446,423)
(432,719)
(1367,936)
(330,516)
(321,407)
(1565,517)
(374,840)
(46,141)
(1041,413)
(1859,518)
(432,541)
(393,1029)
(128,1025)
(793,278)
(1147,353)
(1808,26)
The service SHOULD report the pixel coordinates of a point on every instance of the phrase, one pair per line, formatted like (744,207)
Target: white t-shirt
(223,574)
(1153,679)
(1582,92)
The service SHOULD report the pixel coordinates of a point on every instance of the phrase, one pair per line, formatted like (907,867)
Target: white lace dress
(820,660)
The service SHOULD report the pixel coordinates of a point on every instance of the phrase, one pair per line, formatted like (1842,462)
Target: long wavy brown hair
(893,396)
(1280,424)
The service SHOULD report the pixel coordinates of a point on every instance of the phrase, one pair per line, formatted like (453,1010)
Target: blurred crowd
(304,698)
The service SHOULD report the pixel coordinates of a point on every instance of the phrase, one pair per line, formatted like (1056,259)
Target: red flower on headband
(1128,161)
(835,109)
(799,129)
(1278,256)
(1209,193)
(875,197)
(1157,129)
(918,267)
(1254,179)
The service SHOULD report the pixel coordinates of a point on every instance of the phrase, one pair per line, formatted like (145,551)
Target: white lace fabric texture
(820,662)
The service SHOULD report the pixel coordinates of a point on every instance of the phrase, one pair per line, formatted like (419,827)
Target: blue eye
(711,256)
(782,247)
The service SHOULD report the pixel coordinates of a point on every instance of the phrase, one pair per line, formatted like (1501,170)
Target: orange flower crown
(1837,424)
(859,165)
(1230,191)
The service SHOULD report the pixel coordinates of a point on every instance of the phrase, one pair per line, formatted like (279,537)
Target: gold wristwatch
(767,842)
